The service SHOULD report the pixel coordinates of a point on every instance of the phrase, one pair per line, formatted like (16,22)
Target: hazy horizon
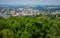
(29,2)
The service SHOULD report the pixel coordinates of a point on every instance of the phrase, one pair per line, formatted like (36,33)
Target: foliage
(30,27)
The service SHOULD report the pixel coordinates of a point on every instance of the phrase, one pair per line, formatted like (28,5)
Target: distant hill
(36,7)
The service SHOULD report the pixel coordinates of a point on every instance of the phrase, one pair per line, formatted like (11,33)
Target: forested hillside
(30,27)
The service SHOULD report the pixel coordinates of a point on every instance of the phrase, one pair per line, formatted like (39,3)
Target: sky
(31,2)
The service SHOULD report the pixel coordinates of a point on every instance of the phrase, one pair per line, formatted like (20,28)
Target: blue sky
(35,2)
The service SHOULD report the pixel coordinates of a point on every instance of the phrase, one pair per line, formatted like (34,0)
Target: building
(56,12)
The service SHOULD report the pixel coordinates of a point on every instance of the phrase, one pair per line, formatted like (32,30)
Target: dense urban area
(29,23)
(26,10)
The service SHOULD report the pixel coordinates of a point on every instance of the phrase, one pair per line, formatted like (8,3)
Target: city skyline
(25,2)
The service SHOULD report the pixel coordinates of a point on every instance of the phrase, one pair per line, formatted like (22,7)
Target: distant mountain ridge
(29,5)
(37,7)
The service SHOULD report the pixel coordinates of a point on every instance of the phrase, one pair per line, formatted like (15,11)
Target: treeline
(29,27)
